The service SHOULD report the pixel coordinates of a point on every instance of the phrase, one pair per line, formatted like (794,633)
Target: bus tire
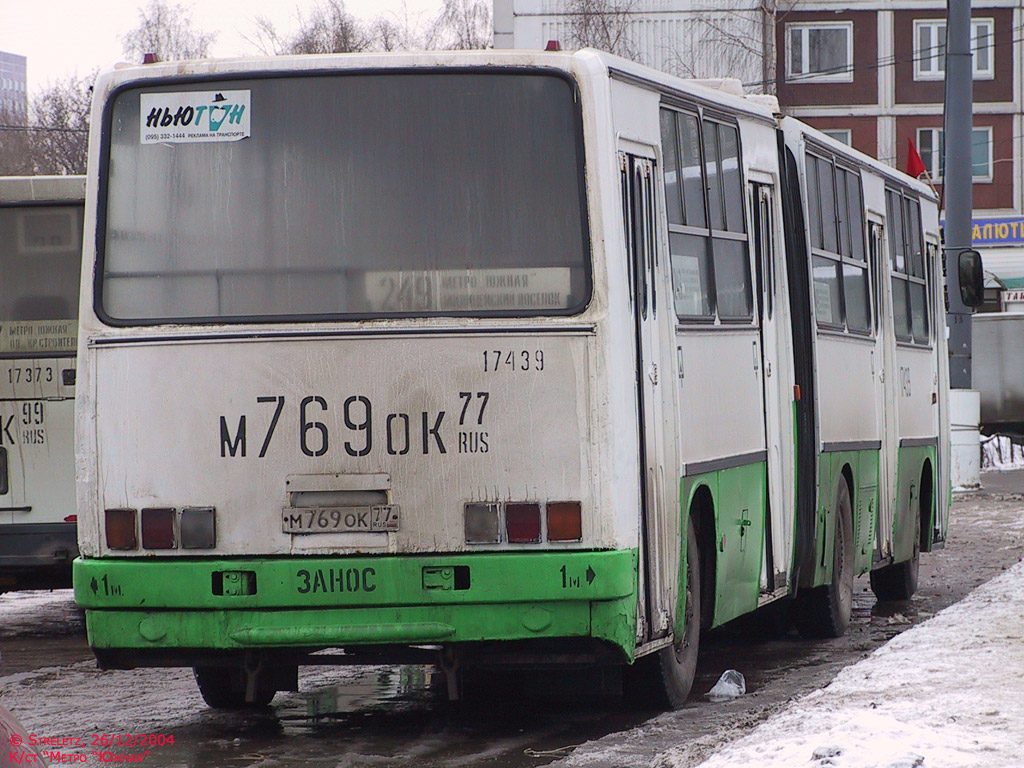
(665,677)
(224,688)
(825,611)
(899,580)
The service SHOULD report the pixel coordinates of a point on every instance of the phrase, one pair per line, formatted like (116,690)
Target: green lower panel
(738,497)
(862,467)
(322,601)
(914,471)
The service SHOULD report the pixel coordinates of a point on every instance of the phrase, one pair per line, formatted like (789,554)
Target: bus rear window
(40,266)
(344,196)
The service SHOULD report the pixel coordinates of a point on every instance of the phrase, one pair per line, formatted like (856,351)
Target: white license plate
(368,519)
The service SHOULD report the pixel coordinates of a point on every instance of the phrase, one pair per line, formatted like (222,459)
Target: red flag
(915,165)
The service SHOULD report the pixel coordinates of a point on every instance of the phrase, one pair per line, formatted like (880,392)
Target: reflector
(120,528)
(565,521)
(522,521)
(158,528)
(198,528)
(482,523)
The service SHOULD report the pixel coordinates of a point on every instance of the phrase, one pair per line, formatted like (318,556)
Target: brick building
(869,72)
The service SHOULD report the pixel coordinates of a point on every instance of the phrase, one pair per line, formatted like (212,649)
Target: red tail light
(522,522)
(158,528)
(120,528)
(565,521)
(71,519)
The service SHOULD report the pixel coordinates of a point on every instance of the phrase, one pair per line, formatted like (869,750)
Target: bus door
(774,576)
(651,305)
(885,389)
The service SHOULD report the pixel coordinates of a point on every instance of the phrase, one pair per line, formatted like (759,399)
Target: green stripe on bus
(327,601)
(738,494)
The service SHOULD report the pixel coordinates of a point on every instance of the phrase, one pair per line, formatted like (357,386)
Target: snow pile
(948,693)
(999,452)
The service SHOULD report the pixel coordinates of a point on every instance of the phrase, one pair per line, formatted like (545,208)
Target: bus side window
(687,215)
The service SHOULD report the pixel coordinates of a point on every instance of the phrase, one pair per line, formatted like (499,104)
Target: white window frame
(933,67)
(931,161)
(844,75)
(842,135)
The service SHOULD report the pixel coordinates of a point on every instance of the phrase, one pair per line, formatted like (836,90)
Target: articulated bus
(40,264)
(487,359)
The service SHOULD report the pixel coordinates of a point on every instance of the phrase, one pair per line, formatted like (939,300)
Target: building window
(820,51)
(841,135)
(931,146)
(930,48)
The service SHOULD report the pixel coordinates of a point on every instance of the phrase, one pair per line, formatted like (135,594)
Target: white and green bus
(40,263)
(489,358)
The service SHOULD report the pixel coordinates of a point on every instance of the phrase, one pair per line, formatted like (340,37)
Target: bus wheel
(664,678)
(899,580)
(224,688)
(825,611)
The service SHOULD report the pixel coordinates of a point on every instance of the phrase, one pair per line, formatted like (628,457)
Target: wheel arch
(927,504)
(701,510)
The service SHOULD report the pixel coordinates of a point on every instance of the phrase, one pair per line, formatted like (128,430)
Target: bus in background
(872,370)
(490,358)
(40,268)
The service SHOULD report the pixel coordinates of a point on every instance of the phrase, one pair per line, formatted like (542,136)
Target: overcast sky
(72,37)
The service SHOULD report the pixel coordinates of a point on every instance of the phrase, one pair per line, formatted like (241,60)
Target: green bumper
(231,604)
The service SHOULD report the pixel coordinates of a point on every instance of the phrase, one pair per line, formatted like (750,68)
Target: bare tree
(329,28)
(603,24)
(60,141)
(464,25)
(56,139)
(403,30)
(729,38)
(15,145)
(166,31)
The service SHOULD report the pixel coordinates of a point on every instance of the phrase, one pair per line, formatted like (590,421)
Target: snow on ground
(999,453)
(25,612)
(948,693)
(80,698)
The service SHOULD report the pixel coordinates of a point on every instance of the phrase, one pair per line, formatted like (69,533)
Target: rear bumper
(156,605)
(37,555)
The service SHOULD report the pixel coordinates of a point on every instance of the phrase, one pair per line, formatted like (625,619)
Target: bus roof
(792,125)
(722,93)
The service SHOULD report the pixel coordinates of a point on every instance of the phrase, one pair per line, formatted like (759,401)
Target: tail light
(565,521)
(522,523)
(71,519)
(482,524)
(198,528)
(158,528)
(120,528)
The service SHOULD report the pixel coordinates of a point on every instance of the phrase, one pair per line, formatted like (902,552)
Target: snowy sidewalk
(948,693)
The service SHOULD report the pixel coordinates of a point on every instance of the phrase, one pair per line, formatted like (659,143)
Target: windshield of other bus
(344,196)
(40,264)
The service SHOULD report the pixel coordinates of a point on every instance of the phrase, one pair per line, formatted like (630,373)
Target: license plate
(366,519)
